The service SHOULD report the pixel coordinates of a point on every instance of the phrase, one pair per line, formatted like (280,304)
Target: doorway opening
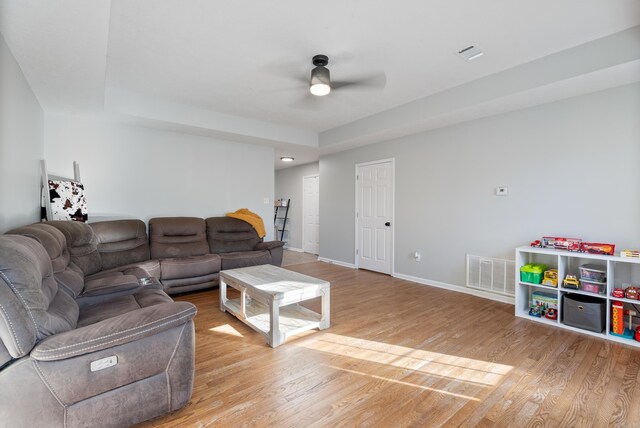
(311,214)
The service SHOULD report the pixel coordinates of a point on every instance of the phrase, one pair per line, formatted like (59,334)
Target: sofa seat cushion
(113,282)
(139,270)
(245,258)
(120,305)
(189,267)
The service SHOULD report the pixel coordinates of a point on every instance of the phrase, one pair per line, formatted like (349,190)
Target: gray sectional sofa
(184,253)
(88,333)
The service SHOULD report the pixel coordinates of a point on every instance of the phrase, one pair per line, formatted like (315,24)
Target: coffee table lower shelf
(294,318)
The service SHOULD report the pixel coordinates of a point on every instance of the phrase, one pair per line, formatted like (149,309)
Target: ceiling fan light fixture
(286,159)
(320,89)
(320,83)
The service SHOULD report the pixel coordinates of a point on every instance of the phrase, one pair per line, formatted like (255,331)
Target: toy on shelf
(532,273)
(593,286)
(631,314)
(543,305)
(618,292)
(593,272)
(631,293)
(617,321)
(536,311)
(629,253)
(550,278)
(576,245)
(569,244)
(597,248)
(638,333)
(570,281)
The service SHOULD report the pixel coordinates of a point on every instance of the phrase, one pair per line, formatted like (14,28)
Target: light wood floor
(290,258)
(402,354)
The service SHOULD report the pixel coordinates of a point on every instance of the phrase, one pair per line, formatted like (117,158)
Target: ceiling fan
(320,83)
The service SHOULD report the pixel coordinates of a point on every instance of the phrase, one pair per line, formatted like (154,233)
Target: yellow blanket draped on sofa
(252,218)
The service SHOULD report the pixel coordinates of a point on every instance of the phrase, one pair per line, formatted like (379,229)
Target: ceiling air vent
(470,52)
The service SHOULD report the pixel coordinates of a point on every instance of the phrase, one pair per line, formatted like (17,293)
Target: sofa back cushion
(68,275)
(33,306)
(177,237)
(81,243)
(227,234)
(121,242)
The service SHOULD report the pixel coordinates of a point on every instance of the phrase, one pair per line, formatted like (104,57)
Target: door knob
(387,224)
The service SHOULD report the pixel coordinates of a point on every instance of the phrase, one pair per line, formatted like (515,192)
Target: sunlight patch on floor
(226,329)
(414,385)
(462,369)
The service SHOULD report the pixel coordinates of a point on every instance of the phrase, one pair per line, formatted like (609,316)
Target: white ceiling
(238,70)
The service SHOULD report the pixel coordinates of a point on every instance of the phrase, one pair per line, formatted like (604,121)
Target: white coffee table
(275,293)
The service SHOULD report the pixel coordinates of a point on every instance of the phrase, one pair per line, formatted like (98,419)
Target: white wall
(289,185)
(571,168)
(132,171)
(21,145)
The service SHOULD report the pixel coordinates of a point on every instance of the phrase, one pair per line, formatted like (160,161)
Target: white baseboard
(458,288)
(297,250)
(336,262)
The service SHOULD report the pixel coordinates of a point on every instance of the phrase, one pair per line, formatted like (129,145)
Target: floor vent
(492,275)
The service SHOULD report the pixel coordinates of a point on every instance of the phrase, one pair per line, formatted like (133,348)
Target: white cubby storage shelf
(621,272)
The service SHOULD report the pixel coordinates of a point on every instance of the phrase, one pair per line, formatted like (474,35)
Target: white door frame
(303,177)
(393,210)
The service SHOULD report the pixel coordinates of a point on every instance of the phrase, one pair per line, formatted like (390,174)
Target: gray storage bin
(584,312)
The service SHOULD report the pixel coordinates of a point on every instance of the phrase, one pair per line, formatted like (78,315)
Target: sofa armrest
(269,245)
(115,331)
(113,283)
(275,249)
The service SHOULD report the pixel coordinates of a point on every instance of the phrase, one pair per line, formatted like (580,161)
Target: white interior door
(374,216)
(311,214)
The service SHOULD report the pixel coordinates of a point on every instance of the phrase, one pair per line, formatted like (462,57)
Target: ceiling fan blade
(373,81)
(309,102)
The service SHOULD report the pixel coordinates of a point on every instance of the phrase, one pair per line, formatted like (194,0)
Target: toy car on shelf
(569,244)
(551,314)
(618,292)
(550,278)
(597,248)
(631,293)
(536,311)
(536,244)
(570,281)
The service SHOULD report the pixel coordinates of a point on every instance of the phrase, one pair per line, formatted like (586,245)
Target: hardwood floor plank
(403,354)
(623,414)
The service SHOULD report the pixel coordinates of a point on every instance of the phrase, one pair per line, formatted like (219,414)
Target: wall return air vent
(491,275)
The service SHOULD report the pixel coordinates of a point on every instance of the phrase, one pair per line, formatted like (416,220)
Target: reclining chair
(113,363)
